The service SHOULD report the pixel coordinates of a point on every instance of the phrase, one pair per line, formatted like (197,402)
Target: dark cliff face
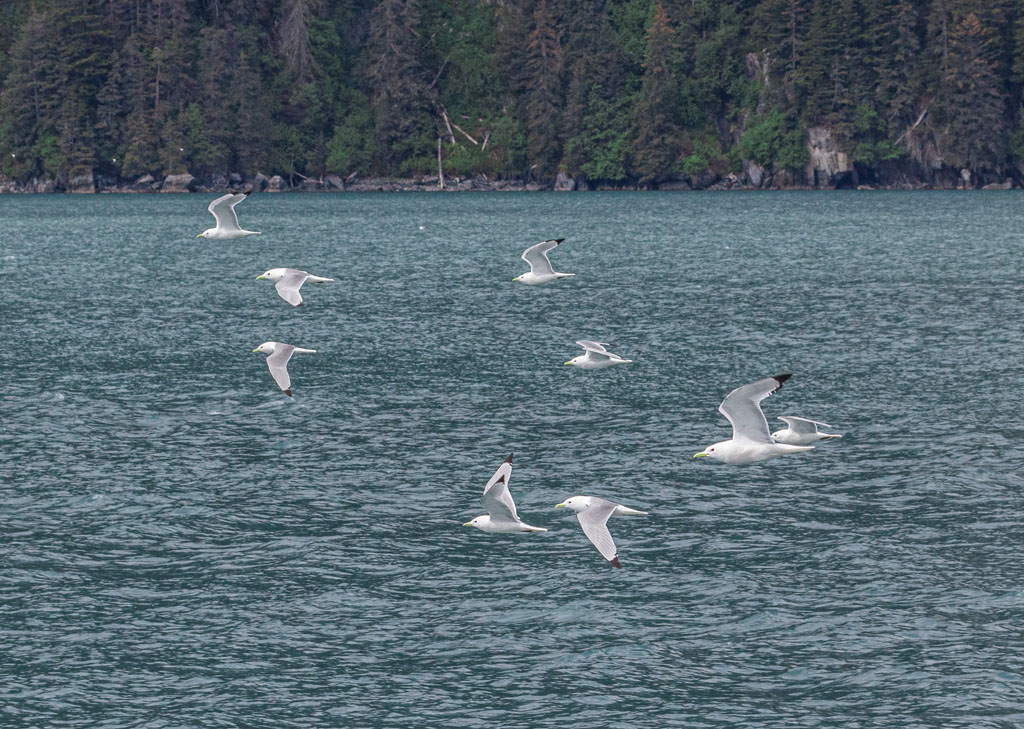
(112,94)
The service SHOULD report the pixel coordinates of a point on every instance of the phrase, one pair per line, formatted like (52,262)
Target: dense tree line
(609,91)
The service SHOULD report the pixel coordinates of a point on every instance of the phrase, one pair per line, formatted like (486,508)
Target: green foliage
(773,140)
(351,146)
(615,90)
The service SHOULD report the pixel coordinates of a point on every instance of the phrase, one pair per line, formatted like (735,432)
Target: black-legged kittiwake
(288,281)
(223,209)
(279,354)
(751,442)
(596,356)
(501,517)
(593,514)
(541,271)
(801,431)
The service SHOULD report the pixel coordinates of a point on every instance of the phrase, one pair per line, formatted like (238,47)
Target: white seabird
(541,271)
(279,354)
(801,431)
(501,515)
(289,281)
(593,514)
(596,356)
(751,442)
(223,209)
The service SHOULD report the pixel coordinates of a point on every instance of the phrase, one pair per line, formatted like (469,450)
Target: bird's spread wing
(590,346)
(594,520)
(742,408)
(497,500)
(802,425)
(537,256)
(223,209)
(288,287)
(278,364)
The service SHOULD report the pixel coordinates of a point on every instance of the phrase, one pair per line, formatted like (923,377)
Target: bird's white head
(266,348)
(479,522)
(274,274)
(576,360)
(206,233)
(576,503)
(714,452)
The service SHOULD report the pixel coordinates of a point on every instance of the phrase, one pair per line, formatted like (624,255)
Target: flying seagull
(223,209)
(593,514)
(501,515)
(541,271)
(596,356)
(751,441)
(278,361)
(801,431)
(289,281)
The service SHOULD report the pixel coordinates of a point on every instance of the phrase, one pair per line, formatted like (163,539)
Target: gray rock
(178,183)
(965,176)
(333,182)
(275,184)
(564,183)
(44,185)
(260,182)
(1007,185)
(754,172)
(235,179)
(829,166)
(219,181)
(82,184)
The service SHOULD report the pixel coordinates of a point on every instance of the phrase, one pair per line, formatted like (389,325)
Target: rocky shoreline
(751,178)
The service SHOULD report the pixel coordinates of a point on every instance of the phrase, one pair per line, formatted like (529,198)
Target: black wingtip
(615,562)
(509,459)
(780,379)
(247,193)
(288,392)
(558,240)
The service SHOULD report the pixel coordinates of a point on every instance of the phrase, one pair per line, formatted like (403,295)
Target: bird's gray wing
(802,425)
(742,408)
(278,364)
(591,346)
(594,520)
(288,287)
(223,209)
(537,256)
(497,501)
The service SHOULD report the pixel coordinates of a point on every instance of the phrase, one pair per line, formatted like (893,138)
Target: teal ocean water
(184,546)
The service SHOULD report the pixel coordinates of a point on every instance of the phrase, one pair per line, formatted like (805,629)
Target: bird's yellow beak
(256,350)
(260,277)
(559,506)
(569,362)
(468,523)
(700,455)
(516,278)
(199,236)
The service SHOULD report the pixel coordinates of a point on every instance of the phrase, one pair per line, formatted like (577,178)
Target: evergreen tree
(403,126)
(658,137)
(975,133)
(543,110)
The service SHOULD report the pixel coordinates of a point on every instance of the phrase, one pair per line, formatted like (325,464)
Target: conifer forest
(578,94)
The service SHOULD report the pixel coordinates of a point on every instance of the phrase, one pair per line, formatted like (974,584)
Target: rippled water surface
(181,545)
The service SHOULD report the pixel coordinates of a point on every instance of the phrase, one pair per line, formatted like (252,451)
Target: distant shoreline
(334,184)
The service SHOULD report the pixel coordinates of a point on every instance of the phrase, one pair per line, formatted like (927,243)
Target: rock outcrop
(829,166)
(564,183)
(81,184)
(178,183)
(276,184)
